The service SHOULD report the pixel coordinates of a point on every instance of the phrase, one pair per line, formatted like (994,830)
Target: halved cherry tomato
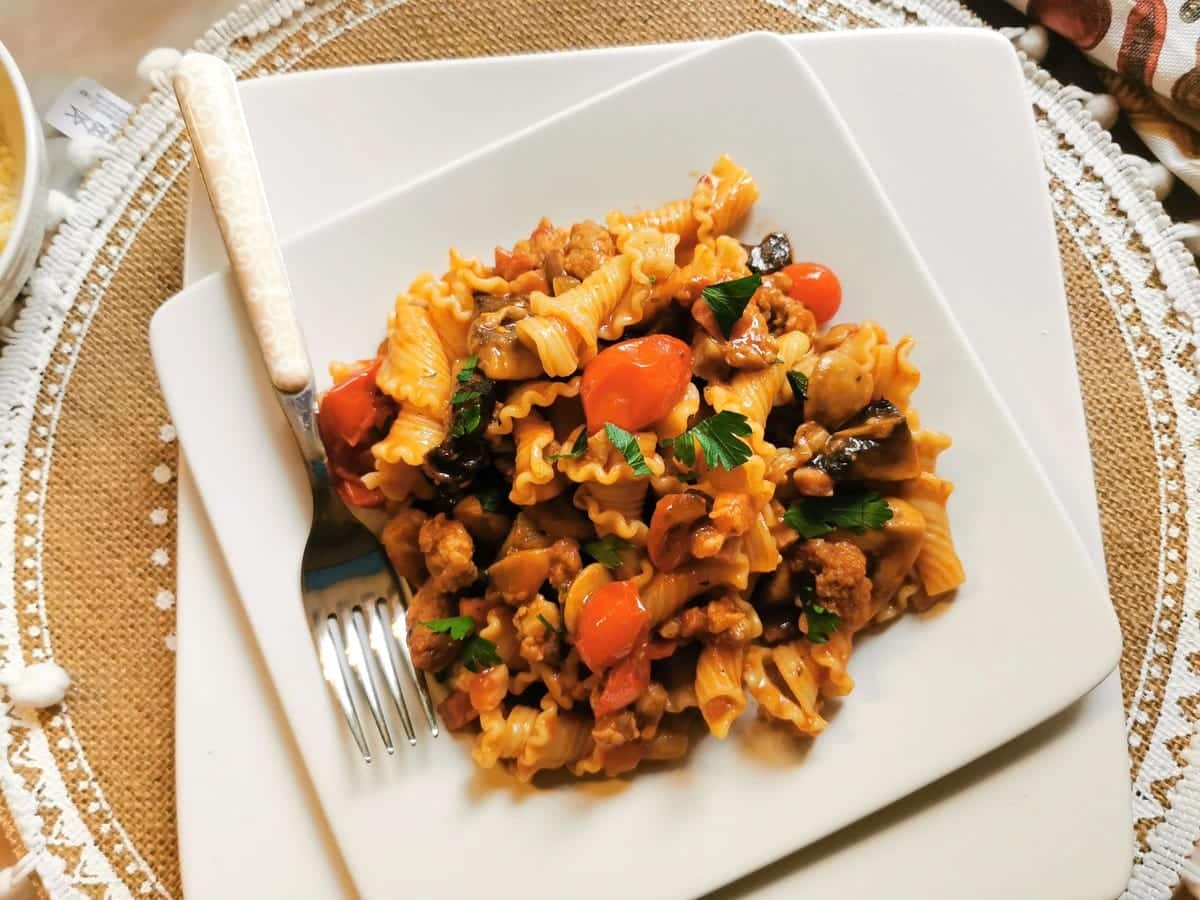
(635,383)
(612,623)
(630,677)
(354,493)
(816,287)
(626,682)
(351,408)
(351,413)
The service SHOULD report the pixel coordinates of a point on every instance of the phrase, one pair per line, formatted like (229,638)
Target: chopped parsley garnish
(821,623)
(605,551)
(479,653)
(728,300)
(490,499)
(627,444)
(468,414)
(720,440)
(799,383)
(578,448)
(815,517)
(550,629)
(468,369)
(458,627)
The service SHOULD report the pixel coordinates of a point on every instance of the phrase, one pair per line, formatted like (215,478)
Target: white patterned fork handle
(352,598)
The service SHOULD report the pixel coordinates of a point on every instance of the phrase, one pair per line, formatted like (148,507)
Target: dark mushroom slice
(456,462)
(876,445)
(771,254)
(493,338)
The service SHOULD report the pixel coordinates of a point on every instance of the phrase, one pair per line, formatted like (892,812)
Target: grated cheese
(10,191)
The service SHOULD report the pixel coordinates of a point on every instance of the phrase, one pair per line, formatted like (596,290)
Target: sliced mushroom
(837,389)
(875,445)
(493,338)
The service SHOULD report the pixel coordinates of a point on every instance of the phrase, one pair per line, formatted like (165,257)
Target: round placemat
(87,456)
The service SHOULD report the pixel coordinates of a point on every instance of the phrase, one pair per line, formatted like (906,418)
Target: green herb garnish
(627,444)
(799,383)
(550,629)
(490,499)
(458,627)
(815,517)
(720,440)
(479,653)
(578,448)
(468,369)
(728,300)
(821,623)
(605,551)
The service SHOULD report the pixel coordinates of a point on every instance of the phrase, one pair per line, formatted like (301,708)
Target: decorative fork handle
(212,110)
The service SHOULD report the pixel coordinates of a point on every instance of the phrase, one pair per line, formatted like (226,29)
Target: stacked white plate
(959,162)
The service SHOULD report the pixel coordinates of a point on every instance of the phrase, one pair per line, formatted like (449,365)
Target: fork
(354,602)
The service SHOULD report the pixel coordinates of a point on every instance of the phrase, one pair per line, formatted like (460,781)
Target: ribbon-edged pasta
(612,547)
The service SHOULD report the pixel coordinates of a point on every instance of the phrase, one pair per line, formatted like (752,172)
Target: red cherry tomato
(635,383)
(354,406)
(612,623)
(351,414)
(816,287)
(630,677)
(626,682)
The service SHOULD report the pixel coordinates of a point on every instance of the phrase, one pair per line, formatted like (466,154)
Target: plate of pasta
(709,507)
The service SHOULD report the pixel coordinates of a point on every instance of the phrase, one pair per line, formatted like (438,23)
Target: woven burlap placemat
(87,456)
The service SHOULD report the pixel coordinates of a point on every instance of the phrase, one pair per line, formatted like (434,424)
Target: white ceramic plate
(245,808)
(378,250)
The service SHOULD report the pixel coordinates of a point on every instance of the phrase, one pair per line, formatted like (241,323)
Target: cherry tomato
(612,623)
(354,493)
(351,408)
(816,287)
(351,414)
(635,383)
(626,682)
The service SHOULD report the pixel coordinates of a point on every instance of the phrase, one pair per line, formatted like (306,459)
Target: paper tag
(89,108)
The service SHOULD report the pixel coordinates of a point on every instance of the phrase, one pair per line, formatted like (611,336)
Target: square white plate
(246,811)
(914,699)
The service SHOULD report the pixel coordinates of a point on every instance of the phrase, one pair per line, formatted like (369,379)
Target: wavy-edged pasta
(616,538)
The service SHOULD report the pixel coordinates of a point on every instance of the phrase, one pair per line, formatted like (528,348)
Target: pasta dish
(638,481)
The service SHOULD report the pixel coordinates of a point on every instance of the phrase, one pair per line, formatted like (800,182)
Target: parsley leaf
(821,623)
(490,499)
(627,444)
(458,627)
(605,551)
(684,448)
(467,419)
(799,383)
(577,449)
(720,438)
(728,300)
(856,510)
(479,653)
(468,369)
(465,396)
(550,629)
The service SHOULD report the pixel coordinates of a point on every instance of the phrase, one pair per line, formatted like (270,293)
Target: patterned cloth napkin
(1152,49)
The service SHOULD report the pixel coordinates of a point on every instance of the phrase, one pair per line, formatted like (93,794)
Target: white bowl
(21,129)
